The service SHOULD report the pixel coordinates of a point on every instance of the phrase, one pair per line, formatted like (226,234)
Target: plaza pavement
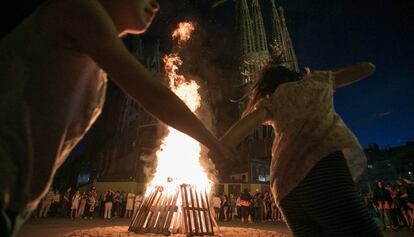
(54,227)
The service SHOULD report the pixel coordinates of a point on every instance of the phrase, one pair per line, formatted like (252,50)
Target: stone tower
(290,51)
(281,36)
(249,54)
(253,40)
(259,34)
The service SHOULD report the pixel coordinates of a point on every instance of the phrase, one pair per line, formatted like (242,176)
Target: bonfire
(176,199)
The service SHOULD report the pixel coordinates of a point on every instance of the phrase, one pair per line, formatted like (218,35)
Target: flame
(183,32)
(178,156)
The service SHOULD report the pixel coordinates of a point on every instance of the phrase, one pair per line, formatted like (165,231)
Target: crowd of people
(245,207)
(392,204)
(76,205)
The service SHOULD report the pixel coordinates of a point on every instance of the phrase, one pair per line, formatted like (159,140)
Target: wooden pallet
(159,213)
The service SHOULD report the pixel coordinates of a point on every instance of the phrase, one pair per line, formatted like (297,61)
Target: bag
(244,203)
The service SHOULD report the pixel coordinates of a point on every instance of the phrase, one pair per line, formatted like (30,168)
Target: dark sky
(326,34)
(335,33)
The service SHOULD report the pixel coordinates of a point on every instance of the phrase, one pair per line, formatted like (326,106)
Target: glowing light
(183,32)
(178,156)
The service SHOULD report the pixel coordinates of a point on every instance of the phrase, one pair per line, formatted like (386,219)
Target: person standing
(238,208)
(245,202)
(75,205)
(261,203)
(56,203)
(216,204)
(82,205)
(232,206)
(108,199)
(91,206)
(139,198)
(116,204)
(383,201)
(67,202)
(395,211)
(129,208)
(47,202)
(403,198)
(225,206)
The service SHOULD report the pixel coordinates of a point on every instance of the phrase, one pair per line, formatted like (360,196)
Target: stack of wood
(160,213)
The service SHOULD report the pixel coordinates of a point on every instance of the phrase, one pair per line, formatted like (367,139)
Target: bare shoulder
(70,9)
(71,19)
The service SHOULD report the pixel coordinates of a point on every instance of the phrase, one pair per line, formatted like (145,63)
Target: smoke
(213,57)
(212,60)
(149,158)
(205,114)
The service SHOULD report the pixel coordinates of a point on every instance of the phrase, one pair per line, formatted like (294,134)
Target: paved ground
(54,227)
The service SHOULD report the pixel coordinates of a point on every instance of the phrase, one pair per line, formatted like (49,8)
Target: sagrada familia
(254,43)
(120,160)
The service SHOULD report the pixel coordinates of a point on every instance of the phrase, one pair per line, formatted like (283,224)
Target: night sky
(326,34)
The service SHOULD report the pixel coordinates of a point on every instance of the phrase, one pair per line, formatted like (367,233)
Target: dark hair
(379,182)
(268,81)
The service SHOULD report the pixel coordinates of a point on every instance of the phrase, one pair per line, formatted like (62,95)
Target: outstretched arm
(244,127)
(94,33)
(349,74)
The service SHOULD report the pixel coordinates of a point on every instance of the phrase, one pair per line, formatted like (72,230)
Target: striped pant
(326,203)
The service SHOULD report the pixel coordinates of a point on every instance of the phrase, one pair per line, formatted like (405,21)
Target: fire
(183,32)
(178,156)
(177,198)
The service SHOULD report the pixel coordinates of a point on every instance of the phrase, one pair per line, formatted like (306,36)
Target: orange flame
(178,156)
(183,32)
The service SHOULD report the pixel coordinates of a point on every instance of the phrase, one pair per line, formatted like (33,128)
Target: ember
(183,32)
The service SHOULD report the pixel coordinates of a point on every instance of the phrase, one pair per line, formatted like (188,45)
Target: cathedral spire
(245,29)
(288,49)
(277,30)
(258,29)
(247,42)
